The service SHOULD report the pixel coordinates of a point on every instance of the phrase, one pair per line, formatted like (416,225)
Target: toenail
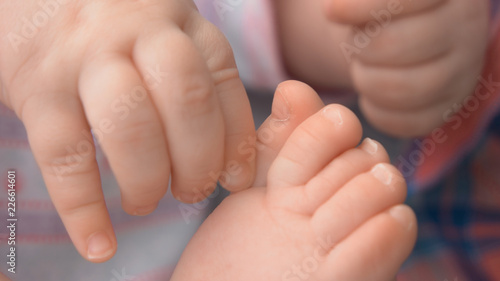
(280,108)
(99,246)
(369,146)
(397,213)
(381,173)
(333,115)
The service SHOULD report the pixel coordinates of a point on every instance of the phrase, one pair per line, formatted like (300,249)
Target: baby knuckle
(225,75)
(70,161)
(196,93)
(79,205)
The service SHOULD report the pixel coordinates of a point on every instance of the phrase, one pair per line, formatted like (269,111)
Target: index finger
(357,12)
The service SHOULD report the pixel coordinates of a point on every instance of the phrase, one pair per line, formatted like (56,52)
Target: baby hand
(155,82)
(411,61)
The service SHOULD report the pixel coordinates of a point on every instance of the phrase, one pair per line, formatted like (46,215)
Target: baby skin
(322,207)
(157,86)
(409,61)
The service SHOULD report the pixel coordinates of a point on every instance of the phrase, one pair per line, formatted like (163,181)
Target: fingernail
(99,246)
(369,146)
(280,108)
(381,173)
(142,211)
(333,115)
(238,176)
(397,213)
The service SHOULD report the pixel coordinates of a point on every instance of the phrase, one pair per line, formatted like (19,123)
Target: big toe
(293,103)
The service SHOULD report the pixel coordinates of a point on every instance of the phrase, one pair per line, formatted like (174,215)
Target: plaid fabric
(459,219)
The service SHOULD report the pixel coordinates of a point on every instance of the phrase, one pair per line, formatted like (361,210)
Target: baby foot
(330,211)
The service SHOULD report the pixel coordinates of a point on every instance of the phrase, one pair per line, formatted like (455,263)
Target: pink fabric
(250,28)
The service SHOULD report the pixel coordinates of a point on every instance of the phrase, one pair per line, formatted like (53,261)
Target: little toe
(358,200)
(313,144)
(376,250)
(293,103)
